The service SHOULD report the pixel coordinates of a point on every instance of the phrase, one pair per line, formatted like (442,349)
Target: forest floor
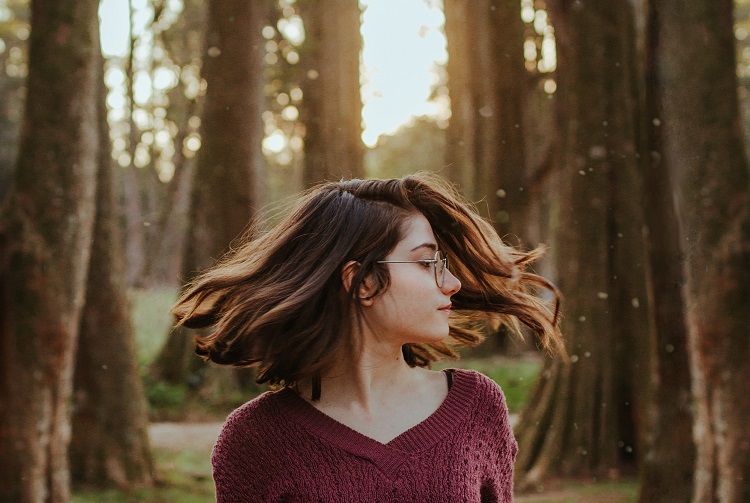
(170,440)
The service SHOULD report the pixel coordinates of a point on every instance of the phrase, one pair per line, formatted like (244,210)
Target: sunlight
(401,58)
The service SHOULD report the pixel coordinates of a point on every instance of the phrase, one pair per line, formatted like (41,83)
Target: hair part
(277,302)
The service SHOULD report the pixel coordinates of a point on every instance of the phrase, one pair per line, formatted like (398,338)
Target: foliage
(184,476)
(514,376)
(151,321)
(417,146)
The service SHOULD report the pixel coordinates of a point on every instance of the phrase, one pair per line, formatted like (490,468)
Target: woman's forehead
(417,232)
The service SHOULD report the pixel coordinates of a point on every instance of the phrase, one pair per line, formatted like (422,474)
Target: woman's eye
(426,263)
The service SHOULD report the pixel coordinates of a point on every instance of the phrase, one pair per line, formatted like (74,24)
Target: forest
(614,133)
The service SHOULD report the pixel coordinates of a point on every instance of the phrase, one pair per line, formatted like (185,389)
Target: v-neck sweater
(280,448)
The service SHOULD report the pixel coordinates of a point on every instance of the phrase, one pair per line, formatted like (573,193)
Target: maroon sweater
(279,448)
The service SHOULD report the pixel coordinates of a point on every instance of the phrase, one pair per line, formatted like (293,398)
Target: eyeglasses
(439,263)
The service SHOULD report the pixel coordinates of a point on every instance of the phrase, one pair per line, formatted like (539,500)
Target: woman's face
(413,309)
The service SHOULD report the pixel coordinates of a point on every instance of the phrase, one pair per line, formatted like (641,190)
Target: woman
(346,303)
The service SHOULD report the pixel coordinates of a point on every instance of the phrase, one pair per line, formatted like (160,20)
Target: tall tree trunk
(703,144)
(485,136)
(110,444)
(50,226)
(668,461)
(584,419)
(230,162)
(331,108)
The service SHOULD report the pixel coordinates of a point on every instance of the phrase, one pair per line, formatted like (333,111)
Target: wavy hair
(276,301)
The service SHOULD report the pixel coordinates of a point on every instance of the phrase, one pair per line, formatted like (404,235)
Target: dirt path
(174,436)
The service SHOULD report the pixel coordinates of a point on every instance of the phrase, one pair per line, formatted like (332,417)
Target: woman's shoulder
(486,391)
(249,420)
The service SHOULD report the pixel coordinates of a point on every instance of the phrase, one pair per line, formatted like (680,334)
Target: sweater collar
(390,456)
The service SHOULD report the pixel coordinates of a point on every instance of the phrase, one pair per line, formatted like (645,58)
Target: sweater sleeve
(497,485)
(240,467)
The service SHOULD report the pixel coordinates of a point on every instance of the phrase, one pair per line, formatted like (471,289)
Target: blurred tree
(488,84)
(695,64)
(159,135)
(110,444)
(230,162)
(584,417)
(668,459)
(331,108)
(45,256)
(14,31)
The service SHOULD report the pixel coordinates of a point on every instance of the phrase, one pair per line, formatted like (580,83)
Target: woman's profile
(345,304)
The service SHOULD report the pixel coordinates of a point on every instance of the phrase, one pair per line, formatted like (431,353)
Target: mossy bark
(45,261)
(331,108)
(667,464)
(585,418)
(110,444)
(488,84)
(703,144)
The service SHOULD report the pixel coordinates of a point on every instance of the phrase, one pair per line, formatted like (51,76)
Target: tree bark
(585,418)
(230,163)
(704,148)
(331,108)
(666,473)
(488,88)
(110,444)
(50,226)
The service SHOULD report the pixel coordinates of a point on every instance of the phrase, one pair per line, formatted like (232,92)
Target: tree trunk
(50,227)
(584,419)
(230,162)
(110,444)
(703,144)
(331,108)
(488,86)
(666,473)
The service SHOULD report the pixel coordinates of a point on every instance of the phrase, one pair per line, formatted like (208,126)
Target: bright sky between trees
(404,45)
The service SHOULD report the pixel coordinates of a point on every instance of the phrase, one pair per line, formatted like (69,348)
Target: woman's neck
(366,379)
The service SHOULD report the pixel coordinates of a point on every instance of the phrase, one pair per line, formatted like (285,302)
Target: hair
(278,302)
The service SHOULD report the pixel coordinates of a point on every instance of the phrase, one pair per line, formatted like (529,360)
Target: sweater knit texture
(280,448)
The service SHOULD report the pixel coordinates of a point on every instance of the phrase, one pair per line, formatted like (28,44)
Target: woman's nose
(451,284)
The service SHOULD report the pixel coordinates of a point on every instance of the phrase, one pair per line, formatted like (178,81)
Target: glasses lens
(440,265)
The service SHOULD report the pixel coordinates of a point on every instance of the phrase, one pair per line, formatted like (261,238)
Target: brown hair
(276,301)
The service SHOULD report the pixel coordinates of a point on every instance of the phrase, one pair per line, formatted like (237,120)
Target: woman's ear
(348,272)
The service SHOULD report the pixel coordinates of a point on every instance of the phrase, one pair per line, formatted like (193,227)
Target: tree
(584,417)
(668,460)
(110,444)
(695,64)
(49,225)
(162,137)
(229,169)
(488,84)
(331,109)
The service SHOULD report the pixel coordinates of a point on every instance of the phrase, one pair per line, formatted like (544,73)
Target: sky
(403,45)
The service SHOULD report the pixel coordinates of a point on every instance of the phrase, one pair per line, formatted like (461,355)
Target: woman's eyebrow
(431,246)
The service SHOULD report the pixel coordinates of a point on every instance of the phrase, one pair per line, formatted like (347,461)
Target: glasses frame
(438,259)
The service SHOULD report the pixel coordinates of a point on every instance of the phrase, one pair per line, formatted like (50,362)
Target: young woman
(345,304)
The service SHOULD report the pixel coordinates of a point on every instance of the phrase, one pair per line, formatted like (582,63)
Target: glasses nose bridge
(440,265)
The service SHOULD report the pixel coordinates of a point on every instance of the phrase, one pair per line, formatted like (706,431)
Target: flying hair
(277,301)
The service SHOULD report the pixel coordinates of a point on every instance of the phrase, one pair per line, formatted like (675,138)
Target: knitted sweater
(279,448)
